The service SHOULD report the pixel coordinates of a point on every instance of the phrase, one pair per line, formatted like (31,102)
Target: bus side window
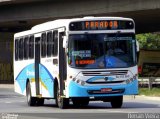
(55,43)
(21,49)
(26,48)
(31,47)
(16,49)
(43,45)
(49,43)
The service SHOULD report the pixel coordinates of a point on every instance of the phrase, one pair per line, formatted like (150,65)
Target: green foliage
(149,41)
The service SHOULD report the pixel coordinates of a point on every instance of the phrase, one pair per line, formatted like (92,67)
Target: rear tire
(31,101)
(117,102)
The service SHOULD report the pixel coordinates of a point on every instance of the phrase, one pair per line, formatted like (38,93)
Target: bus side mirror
(137,46)
(137,49)
(64,42)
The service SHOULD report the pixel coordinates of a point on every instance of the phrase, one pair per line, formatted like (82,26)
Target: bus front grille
(104,73)
(105,82)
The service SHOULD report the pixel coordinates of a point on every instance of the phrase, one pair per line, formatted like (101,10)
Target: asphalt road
(14,105)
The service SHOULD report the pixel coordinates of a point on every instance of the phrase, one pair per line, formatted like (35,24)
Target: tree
(149,41)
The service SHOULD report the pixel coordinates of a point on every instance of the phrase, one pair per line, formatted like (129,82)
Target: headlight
(82,83)
(79,81)
(131,79)
(127,81)
(74,79)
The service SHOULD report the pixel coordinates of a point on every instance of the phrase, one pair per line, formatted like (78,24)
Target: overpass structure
(19,15)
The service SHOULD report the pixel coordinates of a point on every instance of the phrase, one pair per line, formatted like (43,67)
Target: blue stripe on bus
(47,79)
(29,72)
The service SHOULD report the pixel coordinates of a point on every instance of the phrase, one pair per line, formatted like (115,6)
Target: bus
(76,61)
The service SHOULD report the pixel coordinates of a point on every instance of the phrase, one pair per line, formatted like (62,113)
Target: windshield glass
(101,50)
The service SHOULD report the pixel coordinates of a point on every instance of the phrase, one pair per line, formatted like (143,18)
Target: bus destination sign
(101,25)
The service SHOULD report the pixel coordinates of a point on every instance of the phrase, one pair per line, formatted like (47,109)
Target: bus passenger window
(49,43)
(21,48)
(26,48)
(16,49)
(43,45)
(55,43)
(31,47)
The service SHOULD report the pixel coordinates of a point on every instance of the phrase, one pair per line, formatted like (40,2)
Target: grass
(147,92)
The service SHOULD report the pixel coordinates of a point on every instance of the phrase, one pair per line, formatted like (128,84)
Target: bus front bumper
(76,90)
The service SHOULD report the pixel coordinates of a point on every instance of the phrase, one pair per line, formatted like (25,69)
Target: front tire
(117,102)
(61,102)
(31,101)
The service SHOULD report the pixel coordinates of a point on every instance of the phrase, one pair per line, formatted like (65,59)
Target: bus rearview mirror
(137,46)
(64,42)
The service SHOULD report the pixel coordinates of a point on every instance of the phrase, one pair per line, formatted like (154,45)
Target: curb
(147,97)
(7,86)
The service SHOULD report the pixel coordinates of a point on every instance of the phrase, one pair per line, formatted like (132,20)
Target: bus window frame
(55,43)
(49,44)
(26,47)
(16,50)
(31,47)
(43,45)
(20,49)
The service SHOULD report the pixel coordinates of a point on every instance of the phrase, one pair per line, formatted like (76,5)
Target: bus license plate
(104,90)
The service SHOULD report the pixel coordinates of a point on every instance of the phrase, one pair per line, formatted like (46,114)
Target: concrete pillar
(6,57)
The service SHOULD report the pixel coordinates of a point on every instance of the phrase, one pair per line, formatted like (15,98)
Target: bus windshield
(102,50)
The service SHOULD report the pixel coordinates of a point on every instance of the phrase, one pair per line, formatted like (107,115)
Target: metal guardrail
(149,82)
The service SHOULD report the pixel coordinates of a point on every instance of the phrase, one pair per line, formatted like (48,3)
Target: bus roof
(62,23)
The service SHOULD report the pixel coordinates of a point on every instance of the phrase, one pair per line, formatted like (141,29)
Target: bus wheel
(30,100)
(60,101)
(40,101)
(117,102)
(55,93)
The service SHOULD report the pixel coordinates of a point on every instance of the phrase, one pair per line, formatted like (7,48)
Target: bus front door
(62,63)
(37,62)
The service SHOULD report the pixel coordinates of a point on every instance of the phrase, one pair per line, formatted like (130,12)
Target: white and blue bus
(79,60)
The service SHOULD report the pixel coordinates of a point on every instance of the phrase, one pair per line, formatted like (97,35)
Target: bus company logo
(29,73)
(106,78)
(109,78)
